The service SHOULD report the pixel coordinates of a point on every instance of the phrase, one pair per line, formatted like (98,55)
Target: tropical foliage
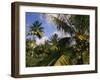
(58,51)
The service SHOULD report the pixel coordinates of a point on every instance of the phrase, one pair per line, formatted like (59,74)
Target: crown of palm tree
(36,29)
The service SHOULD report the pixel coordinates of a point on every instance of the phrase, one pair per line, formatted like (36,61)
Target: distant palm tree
(54,42)
(36,29)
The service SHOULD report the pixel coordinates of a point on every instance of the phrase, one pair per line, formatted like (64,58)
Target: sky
(31,17)
(49,27)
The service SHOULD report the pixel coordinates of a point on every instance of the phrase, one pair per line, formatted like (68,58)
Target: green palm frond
(63,60)
(30,43)
(36,29)
(61,25)
(81,23)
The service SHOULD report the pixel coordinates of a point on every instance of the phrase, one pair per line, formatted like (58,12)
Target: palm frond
(36,29)
(81,23)
(61,25)
(63,60)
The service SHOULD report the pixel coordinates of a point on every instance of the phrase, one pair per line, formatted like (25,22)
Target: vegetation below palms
(57,51)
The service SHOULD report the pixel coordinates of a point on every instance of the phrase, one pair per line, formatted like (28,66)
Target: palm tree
(67,50)
(77,26)
(36,29)
(54,42)
(56,56)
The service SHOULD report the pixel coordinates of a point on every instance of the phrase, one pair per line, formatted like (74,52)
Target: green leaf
(63,60)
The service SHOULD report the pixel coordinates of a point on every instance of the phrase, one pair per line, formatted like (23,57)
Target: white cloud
(49,17)
(41,41)
(61,17)
(61,34)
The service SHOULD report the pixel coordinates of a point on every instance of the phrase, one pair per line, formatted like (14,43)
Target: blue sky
(31,17)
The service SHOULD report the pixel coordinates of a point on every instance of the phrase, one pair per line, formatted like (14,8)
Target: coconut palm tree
(77,26)
(36,30)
